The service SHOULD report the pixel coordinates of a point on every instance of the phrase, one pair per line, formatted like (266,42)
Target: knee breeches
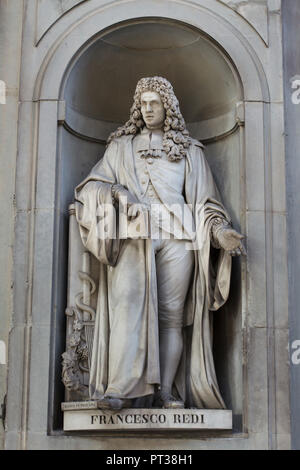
(174,268)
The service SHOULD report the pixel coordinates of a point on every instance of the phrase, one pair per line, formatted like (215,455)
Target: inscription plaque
(86,417)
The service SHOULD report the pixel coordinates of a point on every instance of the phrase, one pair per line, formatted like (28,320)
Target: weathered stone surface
(254,11)
(291,57)
(50,12)
(256,288)
(10,52)
(257,371)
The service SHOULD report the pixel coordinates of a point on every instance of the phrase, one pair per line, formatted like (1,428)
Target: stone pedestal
(85,416)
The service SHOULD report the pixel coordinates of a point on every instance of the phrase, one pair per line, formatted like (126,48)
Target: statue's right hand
(129,203)
(135,210)
(124,196)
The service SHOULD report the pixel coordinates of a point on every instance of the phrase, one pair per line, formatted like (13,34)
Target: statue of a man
(157,293)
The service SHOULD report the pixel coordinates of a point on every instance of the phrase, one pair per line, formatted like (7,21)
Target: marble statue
(150,213)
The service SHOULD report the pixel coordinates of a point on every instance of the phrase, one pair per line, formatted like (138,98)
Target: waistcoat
(161,184)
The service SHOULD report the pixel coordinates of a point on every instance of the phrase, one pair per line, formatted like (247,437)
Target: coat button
(150,161)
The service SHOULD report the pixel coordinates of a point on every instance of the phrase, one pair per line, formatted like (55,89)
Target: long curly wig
(176,138)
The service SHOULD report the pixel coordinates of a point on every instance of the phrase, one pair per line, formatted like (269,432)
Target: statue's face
(152,109)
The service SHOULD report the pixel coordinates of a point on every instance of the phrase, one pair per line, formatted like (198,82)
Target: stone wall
(291,57)
(11,18)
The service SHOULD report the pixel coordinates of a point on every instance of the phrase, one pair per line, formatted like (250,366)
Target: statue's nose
(148,107)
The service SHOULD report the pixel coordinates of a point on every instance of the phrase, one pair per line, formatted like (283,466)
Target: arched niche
(99,86)
(202,75)
(97,92)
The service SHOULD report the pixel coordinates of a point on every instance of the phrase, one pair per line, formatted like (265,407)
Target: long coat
(125,358)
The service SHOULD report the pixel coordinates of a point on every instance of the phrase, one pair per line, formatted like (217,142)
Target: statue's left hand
(231,241)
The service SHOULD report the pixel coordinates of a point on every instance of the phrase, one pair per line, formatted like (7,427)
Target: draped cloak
(126,339)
